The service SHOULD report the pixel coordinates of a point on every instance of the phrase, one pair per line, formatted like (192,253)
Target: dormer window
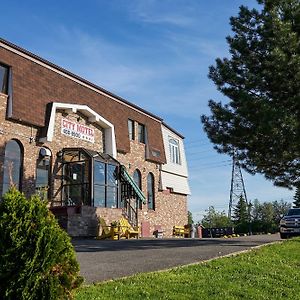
(174,151)
(3,79)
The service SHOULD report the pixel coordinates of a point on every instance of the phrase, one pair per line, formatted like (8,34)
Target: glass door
(76,180)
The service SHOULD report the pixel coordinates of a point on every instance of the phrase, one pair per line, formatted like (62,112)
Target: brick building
(88,151)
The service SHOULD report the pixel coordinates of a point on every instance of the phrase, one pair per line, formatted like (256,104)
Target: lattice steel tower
(237,186)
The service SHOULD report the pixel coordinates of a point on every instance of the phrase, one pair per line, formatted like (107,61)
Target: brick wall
(61,141)
(170,209)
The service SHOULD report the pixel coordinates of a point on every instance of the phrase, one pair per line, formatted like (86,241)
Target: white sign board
(77,130)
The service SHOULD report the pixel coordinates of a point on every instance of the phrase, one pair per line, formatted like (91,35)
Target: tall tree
(240,212)
(190,218)
(241,216)
(261,79)
(280,209)
(214,218)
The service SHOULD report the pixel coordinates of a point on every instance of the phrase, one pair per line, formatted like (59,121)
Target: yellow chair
(106,230)
(126,230)
(178,231)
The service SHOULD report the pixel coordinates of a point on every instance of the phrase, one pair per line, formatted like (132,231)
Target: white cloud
(163,12)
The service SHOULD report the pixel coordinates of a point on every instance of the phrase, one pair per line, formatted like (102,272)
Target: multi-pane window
(89,178)
(174,151)
(112,186)
(141,133)
(13,164)
(3,79)
(150,191)
(105,185)
(131,129)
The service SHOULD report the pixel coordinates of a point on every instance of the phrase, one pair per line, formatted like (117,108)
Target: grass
(270,272)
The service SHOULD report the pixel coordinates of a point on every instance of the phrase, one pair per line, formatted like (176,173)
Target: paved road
(104,260)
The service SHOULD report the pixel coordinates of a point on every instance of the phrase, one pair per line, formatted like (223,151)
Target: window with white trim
(174,151)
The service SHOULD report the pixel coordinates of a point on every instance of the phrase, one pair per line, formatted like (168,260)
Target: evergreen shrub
(37,258)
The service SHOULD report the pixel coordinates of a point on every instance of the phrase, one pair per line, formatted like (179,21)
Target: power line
(200,152)
(195,141)
(198,146)
(213,155)
(205,168)
(213,163)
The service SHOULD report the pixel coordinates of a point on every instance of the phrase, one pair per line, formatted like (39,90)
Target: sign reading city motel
(77,130)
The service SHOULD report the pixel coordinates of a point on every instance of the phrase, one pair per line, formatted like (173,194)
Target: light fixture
(45,152)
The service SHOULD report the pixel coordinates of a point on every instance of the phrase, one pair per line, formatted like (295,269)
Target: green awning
(131,182)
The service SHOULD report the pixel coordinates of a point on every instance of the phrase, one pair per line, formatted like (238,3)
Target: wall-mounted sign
(77,130)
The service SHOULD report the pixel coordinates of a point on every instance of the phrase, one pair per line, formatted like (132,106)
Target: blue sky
(154,53)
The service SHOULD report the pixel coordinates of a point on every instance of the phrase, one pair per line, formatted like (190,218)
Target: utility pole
(237,188)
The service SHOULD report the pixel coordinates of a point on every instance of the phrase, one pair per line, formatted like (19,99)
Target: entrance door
(76,181)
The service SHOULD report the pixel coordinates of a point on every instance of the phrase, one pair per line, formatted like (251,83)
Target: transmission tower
(237,188)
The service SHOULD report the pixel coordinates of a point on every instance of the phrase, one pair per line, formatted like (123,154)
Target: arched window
(13,166)
(43,167)
(137,177)
(150,191)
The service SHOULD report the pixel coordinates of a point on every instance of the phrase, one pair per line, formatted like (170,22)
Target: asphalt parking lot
(102,260)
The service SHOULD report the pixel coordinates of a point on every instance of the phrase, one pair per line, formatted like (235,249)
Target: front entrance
(89,178)
(76,178)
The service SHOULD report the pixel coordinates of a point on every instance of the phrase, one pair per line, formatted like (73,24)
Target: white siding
(174,175)
(177,183)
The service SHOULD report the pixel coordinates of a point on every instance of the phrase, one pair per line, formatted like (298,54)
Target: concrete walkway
(104,260)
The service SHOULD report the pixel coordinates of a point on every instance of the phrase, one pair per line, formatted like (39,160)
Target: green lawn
(271,272)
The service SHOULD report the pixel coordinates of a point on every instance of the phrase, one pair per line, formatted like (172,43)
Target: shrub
(37,259)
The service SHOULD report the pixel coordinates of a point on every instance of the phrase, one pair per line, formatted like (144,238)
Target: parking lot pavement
(102,260)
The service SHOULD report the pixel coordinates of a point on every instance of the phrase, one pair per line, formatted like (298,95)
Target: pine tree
(241,216)
(297,198)
(261,120)
(240,212)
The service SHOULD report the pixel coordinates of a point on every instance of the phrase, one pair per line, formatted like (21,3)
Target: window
(105,185)
(3,79)
(174,151)
(13,166)
(137,177)
(131,129)
(150,191)
(112,186)
(142,133)
(90,178)
(43,167)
